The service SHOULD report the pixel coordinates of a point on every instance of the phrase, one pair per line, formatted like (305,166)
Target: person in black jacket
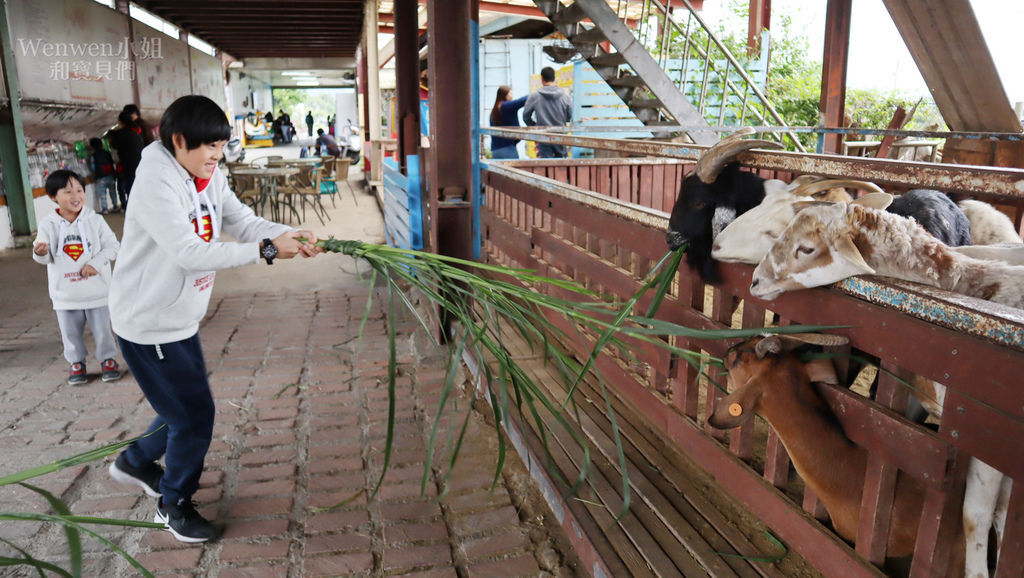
(127,141)
(144,129)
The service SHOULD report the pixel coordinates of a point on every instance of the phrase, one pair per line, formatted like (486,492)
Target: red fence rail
(602,222)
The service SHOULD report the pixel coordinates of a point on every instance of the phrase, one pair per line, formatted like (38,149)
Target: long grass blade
(73,537)
(30,560)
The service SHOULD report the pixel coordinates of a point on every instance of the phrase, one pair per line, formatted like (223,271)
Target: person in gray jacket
(548,106)
(170,252)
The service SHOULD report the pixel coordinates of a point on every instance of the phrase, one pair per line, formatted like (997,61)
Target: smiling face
(70,199)
(201,161)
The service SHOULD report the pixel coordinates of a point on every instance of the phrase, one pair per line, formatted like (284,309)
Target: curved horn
(807,189)
(715,158)
(823,339)
(771,344)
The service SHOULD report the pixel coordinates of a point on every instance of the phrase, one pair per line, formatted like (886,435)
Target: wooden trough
(602,223)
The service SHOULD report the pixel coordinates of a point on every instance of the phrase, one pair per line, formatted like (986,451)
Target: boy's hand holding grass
(40,248)
(296,243)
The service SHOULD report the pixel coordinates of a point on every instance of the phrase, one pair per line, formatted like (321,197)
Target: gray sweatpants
(72,331)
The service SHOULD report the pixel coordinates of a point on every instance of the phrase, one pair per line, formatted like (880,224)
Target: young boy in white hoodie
(170,251)
(77,246)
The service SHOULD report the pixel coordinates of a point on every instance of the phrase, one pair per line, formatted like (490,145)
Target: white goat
(748,238)
(989,225)
(830,242)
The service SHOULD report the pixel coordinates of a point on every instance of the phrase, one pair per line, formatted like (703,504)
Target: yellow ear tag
(735,409)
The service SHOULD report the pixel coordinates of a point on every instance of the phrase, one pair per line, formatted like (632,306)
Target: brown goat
(765,378)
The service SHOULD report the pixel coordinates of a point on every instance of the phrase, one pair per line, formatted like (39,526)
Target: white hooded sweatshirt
(165,270)
(73,245)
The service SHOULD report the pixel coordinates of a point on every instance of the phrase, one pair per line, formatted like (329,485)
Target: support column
(372,92)
(451,186)
(833,71)
(407,78)
(760,19)
(124,7)
(13,156)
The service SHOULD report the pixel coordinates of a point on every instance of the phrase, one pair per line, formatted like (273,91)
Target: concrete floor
(302,401)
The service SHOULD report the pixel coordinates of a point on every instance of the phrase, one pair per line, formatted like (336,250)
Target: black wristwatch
(268,251)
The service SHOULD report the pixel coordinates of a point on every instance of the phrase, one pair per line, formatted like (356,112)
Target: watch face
(269,251)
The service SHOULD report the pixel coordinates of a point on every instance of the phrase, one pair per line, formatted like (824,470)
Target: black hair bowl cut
(197,118)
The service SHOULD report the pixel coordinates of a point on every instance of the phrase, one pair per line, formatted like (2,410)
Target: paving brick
(261,489)
(351,497)
(102,506)
(181,559)
(353,479)
(485,521)
(267,440)
(346,446)
(413,556)
(270,550)
(415,532)
(255,528)
(268,472)
(264,456)
(502,543)
(338,565)
(335,465)
(334,543)
(522,565)
(440,572)
(208,495)
(413,511)
(337,520)
(264,570)
(260,507)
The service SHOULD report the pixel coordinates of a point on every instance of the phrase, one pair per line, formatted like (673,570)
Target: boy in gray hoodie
(548,106)
(170,253)
(77,246)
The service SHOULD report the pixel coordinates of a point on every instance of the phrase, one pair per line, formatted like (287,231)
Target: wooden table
(295,162)
(267,180)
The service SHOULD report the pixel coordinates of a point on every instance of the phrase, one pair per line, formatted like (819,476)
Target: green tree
(794,82)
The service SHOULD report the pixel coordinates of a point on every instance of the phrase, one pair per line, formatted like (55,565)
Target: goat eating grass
(766,378)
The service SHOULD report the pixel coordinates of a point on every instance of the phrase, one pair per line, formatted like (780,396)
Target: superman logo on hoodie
(74,250)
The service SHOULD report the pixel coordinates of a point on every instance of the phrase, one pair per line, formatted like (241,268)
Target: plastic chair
(307,188)
(341,165)
(328,185)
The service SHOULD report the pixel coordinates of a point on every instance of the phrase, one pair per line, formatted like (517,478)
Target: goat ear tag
(735,409)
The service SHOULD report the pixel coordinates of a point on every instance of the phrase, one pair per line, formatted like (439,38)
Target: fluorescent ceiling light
(308,83)
(298,73)
(304,78)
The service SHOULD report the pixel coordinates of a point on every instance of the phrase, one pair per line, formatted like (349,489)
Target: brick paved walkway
(302,407)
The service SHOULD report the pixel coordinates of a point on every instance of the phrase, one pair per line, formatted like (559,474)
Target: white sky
(879,58)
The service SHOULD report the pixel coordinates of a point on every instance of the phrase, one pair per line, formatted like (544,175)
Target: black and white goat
(711,197)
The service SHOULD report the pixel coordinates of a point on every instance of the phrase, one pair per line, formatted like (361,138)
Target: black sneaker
(146,477)
(76,375)
(184,522)
(111,371)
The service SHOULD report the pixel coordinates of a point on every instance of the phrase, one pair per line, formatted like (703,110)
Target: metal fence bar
(989,182)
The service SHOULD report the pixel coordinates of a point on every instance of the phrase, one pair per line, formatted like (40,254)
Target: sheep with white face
(748,238)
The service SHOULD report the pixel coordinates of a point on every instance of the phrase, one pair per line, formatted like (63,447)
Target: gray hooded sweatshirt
(170,250)
(548,106)
(86,241)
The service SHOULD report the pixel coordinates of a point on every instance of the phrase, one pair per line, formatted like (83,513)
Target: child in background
(102,165)
(77,246)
